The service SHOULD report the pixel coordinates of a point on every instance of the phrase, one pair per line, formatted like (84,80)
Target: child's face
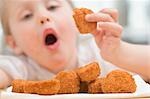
(44,30)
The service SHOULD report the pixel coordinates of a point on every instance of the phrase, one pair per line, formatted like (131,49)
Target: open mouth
(50,39)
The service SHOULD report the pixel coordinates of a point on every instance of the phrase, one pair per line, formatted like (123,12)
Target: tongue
(50,39)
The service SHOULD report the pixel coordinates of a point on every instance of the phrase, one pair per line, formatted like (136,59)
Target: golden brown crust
(18,85)
(79,17)
(96,86)
(89,72)
(119,81)
(31,87)
(69,82)
(47,87)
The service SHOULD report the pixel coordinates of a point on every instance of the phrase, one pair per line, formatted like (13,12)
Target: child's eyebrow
(22,5)
(28,3)
(53,0)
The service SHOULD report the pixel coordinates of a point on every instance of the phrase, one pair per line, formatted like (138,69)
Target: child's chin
(58,68)
(59,64)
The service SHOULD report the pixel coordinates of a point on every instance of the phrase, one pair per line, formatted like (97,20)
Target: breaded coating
(84,87)
(89,72)
(69,82)
(96,86)
(79,17)
(47,87)
(18,85)
(31,87)
(119,81)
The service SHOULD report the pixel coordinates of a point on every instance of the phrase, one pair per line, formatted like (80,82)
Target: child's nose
(44,20)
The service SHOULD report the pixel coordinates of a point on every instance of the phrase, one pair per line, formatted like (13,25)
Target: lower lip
(54,46)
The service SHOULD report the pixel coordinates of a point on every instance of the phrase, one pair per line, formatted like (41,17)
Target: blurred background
(134,17)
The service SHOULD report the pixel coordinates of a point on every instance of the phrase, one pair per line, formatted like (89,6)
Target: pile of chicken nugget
(85,79)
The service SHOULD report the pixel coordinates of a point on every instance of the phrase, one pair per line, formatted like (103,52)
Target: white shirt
(22,67)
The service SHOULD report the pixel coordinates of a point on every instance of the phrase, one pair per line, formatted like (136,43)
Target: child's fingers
(113,28)
(98,34)
(97,17)
(112,12)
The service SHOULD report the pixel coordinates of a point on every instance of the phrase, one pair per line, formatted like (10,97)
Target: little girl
(43,39)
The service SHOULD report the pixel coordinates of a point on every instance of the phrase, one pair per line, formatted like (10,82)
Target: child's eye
(52,7)
(27,16)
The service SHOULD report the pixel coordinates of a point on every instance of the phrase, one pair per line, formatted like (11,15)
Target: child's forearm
(5,80)
(135,58)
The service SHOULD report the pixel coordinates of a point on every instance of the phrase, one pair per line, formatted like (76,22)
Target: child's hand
(108,33)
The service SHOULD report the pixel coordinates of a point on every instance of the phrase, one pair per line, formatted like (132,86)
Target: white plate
(143,90)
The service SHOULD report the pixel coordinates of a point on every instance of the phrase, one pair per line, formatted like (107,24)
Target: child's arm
(135,58)
(12,67)
(5,80)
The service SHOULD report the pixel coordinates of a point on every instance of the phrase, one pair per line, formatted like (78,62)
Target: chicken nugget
(69,82)
(18,85)
(96,86)
(83,26)
(47,87)
(119,81)
(89,72)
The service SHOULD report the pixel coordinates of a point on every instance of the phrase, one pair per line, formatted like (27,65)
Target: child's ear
(12,44)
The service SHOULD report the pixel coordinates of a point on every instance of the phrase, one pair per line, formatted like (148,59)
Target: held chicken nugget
(96,86)
(69,82)
(89,72)
(119,81)
(79,17)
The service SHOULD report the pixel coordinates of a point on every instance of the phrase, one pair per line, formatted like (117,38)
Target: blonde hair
(4,15)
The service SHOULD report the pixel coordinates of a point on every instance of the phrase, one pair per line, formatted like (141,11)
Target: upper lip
(49,31)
